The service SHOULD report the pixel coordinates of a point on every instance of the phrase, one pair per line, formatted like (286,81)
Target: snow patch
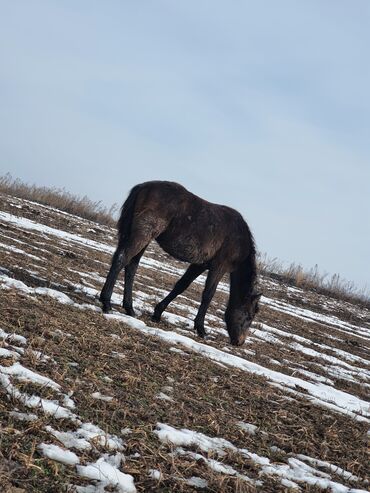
(101,397)
(248,427)
(164,397)
(54,452)
(155,474)
(106,471)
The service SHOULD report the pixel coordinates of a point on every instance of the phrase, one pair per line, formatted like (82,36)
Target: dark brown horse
(209,236)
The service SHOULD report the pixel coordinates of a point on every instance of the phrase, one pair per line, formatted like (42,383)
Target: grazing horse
(209,236)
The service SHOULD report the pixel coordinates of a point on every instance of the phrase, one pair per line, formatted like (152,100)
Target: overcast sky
(260,105)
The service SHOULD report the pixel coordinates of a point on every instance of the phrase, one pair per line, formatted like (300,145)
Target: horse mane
(243,279)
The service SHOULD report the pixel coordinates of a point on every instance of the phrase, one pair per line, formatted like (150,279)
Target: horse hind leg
(118,262)
(130,271)
(128,248)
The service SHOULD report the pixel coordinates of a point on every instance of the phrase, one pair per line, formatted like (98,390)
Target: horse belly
(186,250)
(190,244)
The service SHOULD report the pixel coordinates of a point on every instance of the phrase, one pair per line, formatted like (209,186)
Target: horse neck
(242,281)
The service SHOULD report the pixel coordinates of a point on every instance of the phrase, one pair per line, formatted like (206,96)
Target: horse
(209,236)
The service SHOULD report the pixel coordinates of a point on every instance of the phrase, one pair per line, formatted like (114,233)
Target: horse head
(238,319)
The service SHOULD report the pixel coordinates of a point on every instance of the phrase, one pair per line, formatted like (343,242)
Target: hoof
(106,305)
(156,318)
(130,312)
(128,309)
(201,333)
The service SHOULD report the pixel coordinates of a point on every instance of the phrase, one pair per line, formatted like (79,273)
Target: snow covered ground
(322,373)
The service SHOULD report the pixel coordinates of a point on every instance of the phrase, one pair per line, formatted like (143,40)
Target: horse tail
(127,211)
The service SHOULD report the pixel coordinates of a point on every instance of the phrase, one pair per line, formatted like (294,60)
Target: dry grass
(296,275)
(60,199)
(207,398)
(84,207)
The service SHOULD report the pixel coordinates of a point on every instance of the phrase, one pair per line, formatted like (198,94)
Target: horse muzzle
(239,341)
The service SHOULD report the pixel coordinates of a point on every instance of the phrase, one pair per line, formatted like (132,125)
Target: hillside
(92,402)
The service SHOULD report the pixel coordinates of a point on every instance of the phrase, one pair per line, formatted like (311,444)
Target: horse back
(188,227)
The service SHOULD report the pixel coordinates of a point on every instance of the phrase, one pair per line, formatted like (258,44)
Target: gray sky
(263,106)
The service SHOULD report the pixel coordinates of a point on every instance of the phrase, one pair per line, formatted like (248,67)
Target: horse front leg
(130,271)
(192,272)
(213,278)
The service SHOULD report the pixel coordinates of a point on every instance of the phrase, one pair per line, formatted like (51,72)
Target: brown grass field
(128,378)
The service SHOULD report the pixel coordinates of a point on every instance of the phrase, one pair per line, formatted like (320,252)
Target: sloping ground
(94,403)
